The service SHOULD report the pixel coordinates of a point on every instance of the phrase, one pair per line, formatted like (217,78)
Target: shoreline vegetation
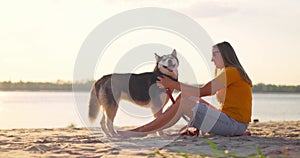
(61,85)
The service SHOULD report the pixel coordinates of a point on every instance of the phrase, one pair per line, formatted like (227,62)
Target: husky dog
(140,89)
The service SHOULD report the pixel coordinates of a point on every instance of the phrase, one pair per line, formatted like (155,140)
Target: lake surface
(60,109)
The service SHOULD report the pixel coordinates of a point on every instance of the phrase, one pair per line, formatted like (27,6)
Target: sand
(272,139)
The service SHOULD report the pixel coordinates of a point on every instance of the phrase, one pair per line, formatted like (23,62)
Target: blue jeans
(216,122)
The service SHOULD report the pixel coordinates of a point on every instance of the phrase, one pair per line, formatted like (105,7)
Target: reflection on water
(60,109)
(276,107)
(37,109)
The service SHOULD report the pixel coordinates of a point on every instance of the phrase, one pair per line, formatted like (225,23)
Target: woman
(233,89)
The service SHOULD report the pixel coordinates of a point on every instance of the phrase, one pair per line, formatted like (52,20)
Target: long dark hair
(230,59)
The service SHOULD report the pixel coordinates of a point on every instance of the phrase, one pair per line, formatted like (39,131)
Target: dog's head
(168,64)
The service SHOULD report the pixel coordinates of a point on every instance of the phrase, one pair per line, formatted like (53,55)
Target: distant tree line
(275,88)
(86,86)
(45,86)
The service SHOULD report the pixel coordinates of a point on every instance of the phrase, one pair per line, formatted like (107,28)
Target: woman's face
(217,58)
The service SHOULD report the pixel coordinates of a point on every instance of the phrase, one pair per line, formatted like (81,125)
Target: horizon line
(59,81)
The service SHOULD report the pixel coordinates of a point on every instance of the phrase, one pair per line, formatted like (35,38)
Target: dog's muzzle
(169,68)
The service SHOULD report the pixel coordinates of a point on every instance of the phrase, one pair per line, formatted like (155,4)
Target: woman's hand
(127,134)
(165,82)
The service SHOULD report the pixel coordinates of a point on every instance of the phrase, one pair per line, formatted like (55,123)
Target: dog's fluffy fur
(140,89)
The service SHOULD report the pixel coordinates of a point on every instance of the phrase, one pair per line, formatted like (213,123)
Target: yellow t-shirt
(236,98)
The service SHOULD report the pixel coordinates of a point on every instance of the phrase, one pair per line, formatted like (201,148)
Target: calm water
(60,109)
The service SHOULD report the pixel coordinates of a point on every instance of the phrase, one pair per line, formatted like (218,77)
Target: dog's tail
(94,106)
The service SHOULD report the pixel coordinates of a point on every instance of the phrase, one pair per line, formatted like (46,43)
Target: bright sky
(40,40)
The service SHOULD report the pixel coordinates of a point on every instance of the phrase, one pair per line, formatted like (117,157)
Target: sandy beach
(271,139)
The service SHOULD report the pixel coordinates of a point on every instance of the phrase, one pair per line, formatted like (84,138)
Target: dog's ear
(157,57)
(174,53)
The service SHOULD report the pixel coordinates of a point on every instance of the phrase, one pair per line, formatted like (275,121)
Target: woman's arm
(187,90)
